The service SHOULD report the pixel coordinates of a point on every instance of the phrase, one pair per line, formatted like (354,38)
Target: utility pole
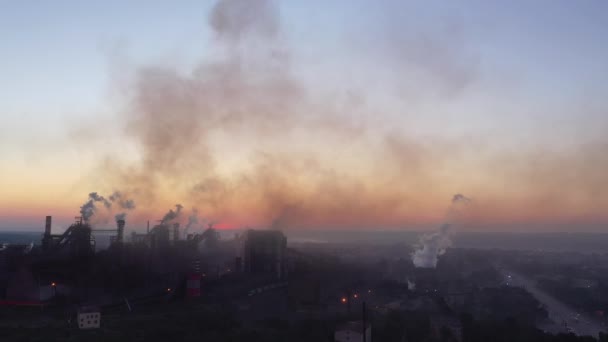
(364,321)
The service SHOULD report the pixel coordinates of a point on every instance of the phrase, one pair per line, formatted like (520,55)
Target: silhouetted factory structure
(264,252)
(77,240)
(159,262)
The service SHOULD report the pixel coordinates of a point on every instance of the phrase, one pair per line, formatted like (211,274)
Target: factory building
(76,241)
(264,252)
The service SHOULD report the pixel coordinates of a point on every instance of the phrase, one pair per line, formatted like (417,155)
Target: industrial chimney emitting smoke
(120,224)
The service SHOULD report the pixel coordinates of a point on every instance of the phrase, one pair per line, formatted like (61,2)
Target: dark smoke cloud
(173,115)
(97,198)
(120,216)
(172,215)
(296,192)
(460,198)
(88,209)
(123,203)
(295,173)
(233,19)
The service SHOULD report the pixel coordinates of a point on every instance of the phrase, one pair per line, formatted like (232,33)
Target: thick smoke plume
(435,245)
(172,214)
(233,19)
(249,95)
(123,203)
(246,140)
(88,209)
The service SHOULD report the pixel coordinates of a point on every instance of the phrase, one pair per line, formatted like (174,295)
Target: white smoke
(435,244)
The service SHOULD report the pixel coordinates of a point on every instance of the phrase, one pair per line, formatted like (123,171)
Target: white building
(353,332)
(89,318)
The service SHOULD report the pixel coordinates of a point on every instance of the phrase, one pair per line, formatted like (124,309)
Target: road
(563,318)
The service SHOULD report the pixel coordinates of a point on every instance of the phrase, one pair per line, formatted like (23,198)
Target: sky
(306,114)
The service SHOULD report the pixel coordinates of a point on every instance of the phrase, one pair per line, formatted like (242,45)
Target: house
(89,318)
(353,332)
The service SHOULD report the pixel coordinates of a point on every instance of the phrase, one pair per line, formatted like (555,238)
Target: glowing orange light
(168,289)
(53,284)
(356,295)
(343,300)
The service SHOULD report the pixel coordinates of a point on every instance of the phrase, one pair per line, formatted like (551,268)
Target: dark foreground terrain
(472,295)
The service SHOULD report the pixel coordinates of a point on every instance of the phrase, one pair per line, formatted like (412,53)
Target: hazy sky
(365,114)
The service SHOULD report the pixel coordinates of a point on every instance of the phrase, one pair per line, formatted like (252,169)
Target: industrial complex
(66,267)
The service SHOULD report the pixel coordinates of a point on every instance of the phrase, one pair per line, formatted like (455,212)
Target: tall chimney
(120,224)
(47,226)
(175,231)
(47,239)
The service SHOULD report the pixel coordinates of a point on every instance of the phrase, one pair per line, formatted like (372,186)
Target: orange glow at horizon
(486,216)
(371,192)
(247,122)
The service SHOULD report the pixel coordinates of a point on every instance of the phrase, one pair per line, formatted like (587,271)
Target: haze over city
(307,115)
(283,170)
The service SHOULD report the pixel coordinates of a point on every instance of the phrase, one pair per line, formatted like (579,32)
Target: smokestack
(148,228)
(120,224)
(175,231)
(47,226)
(46,239)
